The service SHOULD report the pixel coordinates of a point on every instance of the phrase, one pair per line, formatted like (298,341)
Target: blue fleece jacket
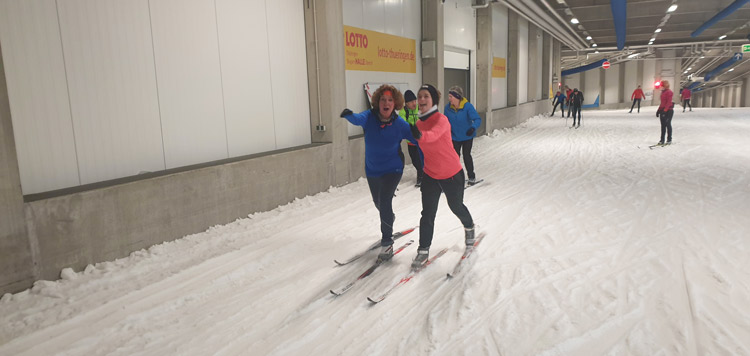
(462,119)
(382,142)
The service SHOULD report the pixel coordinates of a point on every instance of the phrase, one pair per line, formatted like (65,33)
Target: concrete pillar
(433,69)
(15,250)
(745,94)
(716,98)
(483,102)
(512,62)
(534,76)
(582,83)
(546,65)
(622,98)
(326,73)
(556,64)
(602,84)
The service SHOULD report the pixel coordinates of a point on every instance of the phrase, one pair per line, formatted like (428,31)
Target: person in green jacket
(410,113)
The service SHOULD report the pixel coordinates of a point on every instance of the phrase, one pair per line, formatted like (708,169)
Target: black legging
(576,109)
(416,160)
(468,160)
(562,109)
(686,103)
(453,188)
(382,189)
(666,124)
(634,102)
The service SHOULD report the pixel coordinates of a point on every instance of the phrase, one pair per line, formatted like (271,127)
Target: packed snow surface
(596,245)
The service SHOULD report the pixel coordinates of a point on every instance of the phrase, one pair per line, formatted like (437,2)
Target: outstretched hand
(346,113)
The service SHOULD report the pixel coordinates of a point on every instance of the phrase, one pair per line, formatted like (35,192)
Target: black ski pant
(382,189)
(416,160)
(686,103)
(638,101)
(562,109)
(576,110)
(453,188)
(468,160)
(666,124)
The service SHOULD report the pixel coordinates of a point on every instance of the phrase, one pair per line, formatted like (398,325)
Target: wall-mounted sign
(498,67)
(746,48)
(605,65)
(379,52)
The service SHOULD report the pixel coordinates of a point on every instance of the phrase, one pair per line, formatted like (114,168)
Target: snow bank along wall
(154,127)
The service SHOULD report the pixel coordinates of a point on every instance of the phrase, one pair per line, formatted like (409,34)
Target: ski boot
(419,261)
(469,236)
(386,253)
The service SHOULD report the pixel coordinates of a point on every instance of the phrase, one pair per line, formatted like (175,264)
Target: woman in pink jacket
(442,172)
(665,112)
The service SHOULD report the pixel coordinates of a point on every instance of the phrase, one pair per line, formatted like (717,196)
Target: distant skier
(384,161)
(636,98)
(559,99)
(443,172)
(685,95)
(665,112)
(576,102)
(464,121)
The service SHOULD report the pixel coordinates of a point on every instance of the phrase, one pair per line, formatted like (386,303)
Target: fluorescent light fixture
(652,39)
(690,68)
(685,72)
(574,20)
(596,51)
(731,70)
(722,37)
(672,8)
(633,55)
(702,57)
(588,38)
(594,45)
(657,30)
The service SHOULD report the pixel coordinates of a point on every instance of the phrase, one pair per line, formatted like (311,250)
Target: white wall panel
(110,68)
(612,84)
(523,60)
(591,86)
(371,15)
(460,25)
(649,70)
(539,62)
(246,76)
(37,89)
(572,81)
(189,81)
(291,105)
(456,60)
(631,80)
(500,49)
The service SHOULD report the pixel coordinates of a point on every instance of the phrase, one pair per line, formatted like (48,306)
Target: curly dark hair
(398,98)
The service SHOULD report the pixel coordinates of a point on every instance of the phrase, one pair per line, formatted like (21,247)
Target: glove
(658,113)
(415,132)
(470,131)
(346,112)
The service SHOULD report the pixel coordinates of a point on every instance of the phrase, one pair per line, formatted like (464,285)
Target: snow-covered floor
(596,245)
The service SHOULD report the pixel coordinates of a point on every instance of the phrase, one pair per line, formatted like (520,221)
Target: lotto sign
(605,65)
(380,52)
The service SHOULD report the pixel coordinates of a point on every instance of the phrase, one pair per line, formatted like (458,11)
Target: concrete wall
(515,115)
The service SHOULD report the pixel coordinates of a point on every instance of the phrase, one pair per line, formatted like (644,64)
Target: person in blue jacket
(384,160)
(464,121)
(559,100)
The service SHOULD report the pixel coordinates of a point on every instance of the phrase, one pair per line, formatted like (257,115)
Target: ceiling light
(690,68)
(685,72)
(722,37)
(574,20)
(588,38)
(702,57)
(596,51)
(657,30)
(731,70)
(593,45)
(633,55)
(652,39)
(672,8)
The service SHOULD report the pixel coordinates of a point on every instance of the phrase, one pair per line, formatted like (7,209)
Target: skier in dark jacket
(576,102)
(384,161)
(559,99)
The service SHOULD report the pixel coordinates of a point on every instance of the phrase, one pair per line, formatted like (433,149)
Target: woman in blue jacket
(384,160)
(464,121)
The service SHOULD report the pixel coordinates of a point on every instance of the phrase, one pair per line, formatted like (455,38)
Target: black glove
(658,113)
(470,131)
(415,132)
(346,112)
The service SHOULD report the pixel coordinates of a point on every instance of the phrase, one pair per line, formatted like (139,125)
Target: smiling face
(386,105)
(424,100)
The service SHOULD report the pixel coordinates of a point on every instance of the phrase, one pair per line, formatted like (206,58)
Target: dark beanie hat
(433,93)
(409,96)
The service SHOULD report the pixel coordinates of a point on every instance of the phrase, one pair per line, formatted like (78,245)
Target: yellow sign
(498,67)
(379,52)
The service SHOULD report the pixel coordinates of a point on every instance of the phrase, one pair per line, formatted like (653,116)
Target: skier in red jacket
(636,98)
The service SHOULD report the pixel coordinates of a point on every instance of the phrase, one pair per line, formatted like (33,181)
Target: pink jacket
(666,100)
(440,158)
(637,94)
(685,94)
